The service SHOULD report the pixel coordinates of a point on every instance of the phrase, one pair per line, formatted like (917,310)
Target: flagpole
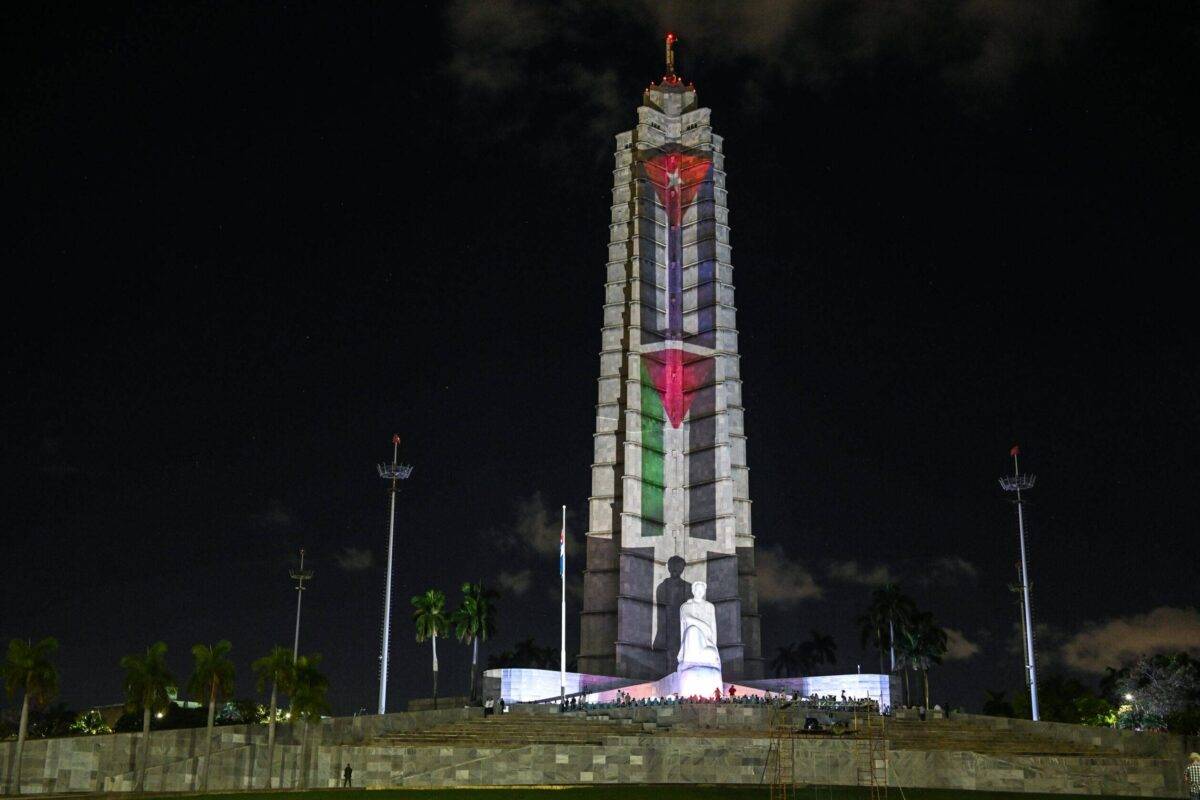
(562,571)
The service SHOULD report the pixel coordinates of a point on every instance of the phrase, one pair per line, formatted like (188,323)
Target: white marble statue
(698,632)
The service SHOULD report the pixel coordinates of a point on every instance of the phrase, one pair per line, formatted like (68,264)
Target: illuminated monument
(670,603)
(670,504)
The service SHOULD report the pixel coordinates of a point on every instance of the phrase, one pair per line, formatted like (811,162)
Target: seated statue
(698,632)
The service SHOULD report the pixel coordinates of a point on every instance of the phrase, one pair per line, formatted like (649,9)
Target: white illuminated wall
(521,685)
(880,688)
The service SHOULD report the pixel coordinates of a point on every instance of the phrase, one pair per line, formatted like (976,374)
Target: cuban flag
(562,552)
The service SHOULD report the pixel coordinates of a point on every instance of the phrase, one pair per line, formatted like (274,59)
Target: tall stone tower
(670,497)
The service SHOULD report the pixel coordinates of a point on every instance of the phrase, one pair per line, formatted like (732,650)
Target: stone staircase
(900,734)
(511,730)
(950,735)
(537,745)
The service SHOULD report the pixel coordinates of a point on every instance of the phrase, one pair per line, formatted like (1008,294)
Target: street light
(394,472)
(1017,483)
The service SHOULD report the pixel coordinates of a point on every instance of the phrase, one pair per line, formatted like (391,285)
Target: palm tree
(872,624)
(786,661)
(475,619)
(309,687)
(922,645)
(213,675)
(897,608)
(147,680)
(277,669)
(823,648)
(903,662)
(27,669)
(890,609)
(430,618)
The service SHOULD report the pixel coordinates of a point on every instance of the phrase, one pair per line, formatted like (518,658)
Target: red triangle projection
(677,375)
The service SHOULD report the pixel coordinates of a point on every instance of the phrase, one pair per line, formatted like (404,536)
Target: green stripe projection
(653,420)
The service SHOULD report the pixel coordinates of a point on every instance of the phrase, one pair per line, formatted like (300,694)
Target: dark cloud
(516,582)
(782,579)
(950,571)
(507,53)
(534,530)
(275,515)
(958,646)
(942,571)
(354,559)
(853,572)
(1120,640)
(1048,640)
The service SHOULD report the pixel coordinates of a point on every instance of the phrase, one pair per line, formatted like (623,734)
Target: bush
(53,721)
(241,712)
(173,717)
(90,723)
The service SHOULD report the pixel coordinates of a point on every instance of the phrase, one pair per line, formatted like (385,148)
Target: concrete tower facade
(670,500)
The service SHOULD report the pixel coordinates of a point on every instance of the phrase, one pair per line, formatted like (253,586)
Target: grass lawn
(635,792)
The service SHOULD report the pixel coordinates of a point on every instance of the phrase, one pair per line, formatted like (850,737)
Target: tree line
(473,621)
(908,640)
(909,637)
(150,690)
(1159,692)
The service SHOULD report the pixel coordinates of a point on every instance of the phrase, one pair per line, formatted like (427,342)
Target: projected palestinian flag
(676,358)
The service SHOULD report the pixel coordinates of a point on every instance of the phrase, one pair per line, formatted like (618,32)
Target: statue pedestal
(693,681)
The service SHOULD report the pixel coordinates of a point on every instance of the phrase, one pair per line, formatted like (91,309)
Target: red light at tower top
(670,76)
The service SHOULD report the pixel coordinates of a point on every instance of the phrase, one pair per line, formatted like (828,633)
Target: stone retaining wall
(702,746)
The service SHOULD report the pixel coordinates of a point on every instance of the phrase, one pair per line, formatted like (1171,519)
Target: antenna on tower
(394,472)
(1018,483)
(670,77)
(300,576)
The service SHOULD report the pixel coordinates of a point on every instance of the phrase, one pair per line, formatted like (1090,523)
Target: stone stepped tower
(670,497)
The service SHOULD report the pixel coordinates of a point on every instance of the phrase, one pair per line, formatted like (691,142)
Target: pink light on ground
(653,689)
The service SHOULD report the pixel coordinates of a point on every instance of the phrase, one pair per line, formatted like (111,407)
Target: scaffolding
(871,762)
(781,757)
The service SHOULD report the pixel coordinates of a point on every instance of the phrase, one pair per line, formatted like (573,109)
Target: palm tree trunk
(435,672)
(906,687)
(474,661)
(927,706)
(14,780)
(892,641)
(212,709)
(145,743)
(271,738)
(304,752)
(879,639)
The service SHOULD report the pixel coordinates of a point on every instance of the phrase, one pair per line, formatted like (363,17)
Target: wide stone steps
(906,734)
(946,735)
(514,731)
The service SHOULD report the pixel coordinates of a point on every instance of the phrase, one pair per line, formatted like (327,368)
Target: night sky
(247,243)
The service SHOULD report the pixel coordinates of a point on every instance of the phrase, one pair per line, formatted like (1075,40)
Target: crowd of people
(816,702)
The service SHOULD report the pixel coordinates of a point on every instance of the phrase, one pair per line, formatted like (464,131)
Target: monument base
(691,682)
(517,685)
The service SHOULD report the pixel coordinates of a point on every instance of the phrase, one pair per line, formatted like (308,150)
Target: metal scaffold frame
(783,749)
(871,769)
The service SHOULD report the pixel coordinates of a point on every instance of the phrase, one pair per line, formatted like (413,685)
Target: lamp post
(394,472)
(300,576)
(1016,483)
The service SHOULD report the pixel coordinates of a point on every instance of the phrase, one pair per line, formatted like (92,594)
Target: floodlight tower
(1016,483)
(300,576)
(394,472)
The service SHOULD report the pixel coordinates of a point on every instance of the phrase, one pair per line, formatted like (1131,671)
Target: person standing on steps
(346,774)
(1193,776)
